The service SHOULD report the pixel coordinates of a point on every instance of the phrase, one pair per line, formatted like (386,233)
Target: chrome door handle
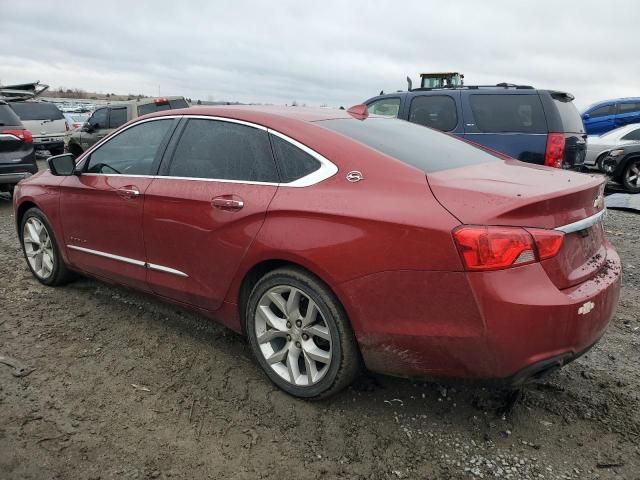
(228,202)
(128,192)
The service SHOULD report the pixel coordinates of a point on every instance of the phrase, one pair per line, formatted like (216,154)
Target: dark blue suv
(535,126)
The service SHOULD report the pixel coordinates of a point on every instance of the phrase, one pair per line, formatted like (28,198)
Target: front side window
(132,152)
(388,107)
(99,119)
(117,117)
(220,150)
(508,113)
(293,162)
(603,111)
(434,111)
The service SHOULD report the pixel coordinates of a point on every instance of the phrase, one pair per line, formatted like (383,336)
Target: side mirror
(62,165)
(586,116)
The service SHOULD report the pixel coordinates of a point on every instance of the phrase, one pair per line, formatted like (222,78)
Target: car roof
(612,100)
(261,114)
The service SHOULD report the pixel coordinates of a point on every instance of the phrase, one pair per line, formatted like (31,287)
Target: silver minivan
(46,122)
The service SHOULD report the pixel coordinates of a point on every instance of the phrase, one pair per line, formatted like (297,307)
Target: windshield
(421,147)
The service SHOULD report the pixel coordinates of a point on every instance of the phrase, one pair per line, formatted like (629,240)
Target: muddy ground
(125,386)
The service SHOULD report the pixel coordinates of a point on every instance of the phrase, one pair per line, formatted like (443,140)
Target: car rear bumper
(46,144)
(503,326)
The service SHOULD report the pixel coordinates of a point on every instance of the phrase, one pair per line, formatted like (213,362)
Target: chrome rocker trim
(131,261)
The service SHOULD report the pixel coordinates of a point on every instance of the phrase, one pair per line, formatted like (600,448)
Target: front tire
(41,249)
(631,176)
(300,334)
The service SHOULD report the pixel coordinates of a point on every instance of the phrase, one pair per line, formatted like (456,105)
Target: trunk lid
(512,193)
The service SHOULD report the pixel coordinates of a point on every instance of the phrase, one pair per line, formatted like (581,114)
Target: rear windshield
(508,113)
(8,117)
(421,147)
(571,119)
(152,107)
(37,111)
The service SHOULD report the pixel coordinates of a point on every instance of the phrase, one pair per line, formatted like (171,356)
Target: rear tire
(41,250)
(300,334)
(631,175)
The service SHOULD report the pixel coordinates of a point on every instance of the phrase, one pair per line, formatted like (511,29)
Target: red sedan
(334,240)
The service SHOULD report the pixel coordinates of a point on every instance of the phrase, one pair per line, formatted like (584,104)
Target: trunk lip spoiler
(584,223)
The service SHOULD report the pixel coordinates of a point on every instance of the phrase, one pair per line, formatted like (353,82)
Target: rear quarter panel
(341,231)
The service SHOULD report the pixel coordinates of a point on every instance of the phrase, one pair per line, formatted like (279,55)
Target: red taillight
(548,242)
(495,248)
(554,155)
(161,101)
(24,135)
(76,125)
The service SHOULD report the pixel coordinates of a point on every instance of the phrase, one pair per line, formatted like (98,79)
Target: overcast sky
(320,52)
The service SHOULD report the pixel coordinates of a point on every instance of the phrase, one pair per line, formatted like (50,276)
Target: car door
(627,113)
(205,208)
(600,119)
(101,208)
(95,128)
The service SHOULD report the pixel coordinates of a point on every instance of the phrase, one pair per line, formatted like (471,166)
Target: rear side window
(415,145)
(220,150)
(628,108)
(37,111)
(8,117)
(569,116)
(508,113)
(388,107)
(603,111)
(293,163)
(634,135)
(159,107)
(117,117)
(434,111)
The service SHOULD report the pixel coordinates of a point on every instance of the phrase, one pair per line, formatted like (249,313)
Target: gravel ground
(125,386)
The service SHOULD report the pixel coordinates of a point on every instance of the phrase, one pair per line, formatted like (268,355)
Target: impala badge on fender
(354,176)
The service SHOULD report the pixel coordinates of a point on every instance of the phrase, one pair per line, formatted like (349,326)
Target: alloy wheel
(633,174)
(38,248)
(293,335)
